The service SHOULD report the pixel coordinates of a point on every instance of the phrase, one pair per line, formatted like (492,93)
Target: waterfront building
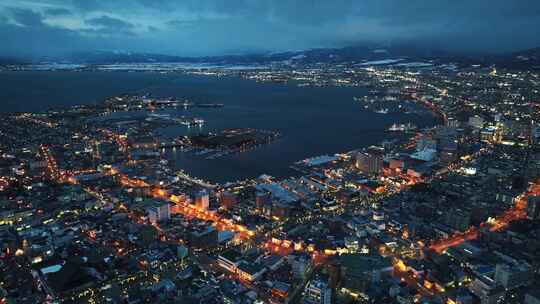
(369,163)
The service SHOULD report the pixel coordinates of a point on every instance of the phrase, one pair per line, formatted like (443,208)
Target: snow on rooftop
(279,192)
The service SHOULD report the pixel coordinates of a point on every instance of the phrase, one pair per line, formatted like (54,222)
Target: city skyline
(269,152)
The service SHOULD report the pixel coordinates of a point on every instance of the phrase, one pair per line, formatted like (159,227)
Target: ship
(382,111)
(185,104)
(402,127)
(190,122)
(198,121)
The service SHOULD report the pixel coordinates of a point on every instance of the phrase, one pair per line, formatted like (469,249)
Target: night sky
(214,27)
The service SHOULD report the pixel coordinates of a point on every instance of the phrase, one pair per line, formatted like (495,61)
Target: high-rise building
(533,208)
(318,292)
(369,163)
(158,211)
(262,198)
(227,199)
(202,200)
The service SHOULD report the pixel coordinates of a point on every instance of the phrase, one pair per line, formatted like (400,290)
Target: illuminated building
(378,216)
(230,260)
(369,163)
(280,290)
(397,163)
(318,292)
(202,200)
(424,155)
(249,271)
(280,210)
(352,244)
(476,122)
(144,142)
(261,199)
(487,290)
(158,211)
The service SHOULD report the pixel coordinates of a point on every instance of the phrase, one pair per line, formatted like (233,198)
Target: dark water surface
(313,121)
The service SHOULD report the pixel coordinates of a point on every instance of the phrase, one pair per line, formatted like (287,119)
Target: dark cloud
(109,26)
(207,27)
(26,18)
(38,39)
(57,11)
(29,36)
(110,22)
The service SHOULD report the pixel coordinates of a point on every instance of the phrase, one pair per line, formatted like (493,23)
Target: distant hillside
(526,59)
(106,57)
(11,61)
(326,55)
